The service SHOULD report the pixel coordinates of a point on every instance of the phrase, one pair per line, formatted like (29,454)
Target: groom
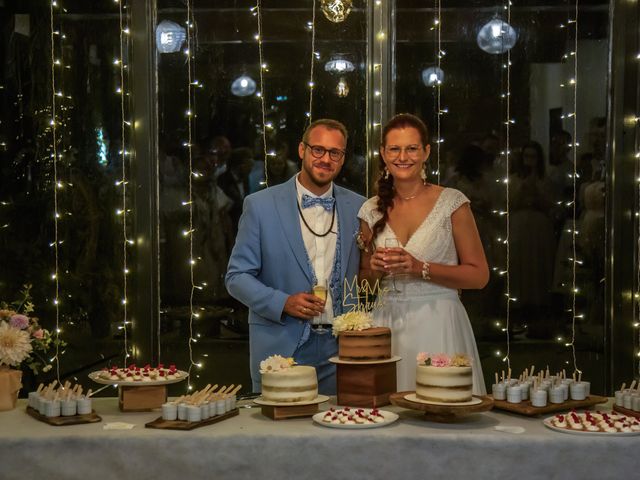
(290,237)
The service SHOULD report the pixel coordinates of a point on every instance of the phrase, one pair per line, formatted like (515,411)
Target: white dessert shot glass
(539,398)
(169,411)
(499,391)
(514,394)
(52,408)
(33,399)
(68,408)
(626,400)
(204,410)
(565,391)
(42,402)
(618,397)
(524,390)
(221,406)
(556,395)
(635,403)
(182,411)
(84,406)
(194,413)
(578,391)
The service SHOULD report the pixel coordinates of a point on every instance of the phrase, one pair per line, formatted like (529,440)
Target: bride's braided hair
(385,188)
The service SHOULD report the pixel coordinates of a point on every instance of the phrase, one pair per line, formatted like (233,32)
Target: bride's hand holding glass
(397,261)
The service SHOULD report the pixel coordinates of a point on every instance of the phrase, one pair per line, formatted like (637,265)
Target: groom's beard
(316,176)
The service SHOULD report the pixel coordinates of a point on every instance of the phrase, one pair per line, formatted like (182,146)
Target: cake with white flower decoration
(359,340)
(440,378)
(285,382)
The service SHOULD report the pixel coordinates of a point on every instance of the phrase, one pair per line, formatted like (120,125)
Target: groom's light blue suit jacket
(269,262)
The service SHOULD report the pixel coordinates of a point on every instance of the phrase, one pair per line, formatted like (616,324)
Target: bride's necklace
(410,197)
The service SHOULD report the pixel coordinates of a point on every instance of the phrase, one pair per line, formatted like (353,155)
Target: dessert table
(251,446)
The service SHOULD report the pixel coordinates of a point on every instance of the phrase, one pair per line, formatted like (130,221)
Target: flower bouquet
(443,360)
(23,342)
(276,363)
(357,320)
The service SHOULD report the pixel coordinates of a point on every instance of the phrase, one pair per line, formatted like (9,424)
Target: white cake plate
(389,417)
(95,376)
(337,360)
(269,403)
(548,424)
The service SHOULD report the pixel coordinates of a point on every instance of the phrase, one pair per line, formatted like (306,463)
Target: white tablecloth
(251,446)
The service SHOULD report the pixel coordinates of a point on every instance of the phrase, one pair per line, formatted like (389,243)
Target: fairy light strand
(507,154)
(438,87)
(56,214)
(313,61)
(636,296)
(189,114)
(574,260)
(377,76)
(123,179)
(258,13)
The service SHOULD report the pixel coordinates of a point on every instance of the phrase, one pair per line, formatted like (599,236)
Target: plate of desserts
(594,423)
(132,375)
(354,418)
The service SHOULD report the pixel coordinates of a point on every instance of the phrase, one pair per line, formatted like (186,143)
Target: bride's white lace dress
(423,316)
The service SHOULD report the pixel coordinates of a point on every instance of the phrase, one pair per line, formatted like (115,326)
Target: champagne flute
(393,243)
(320,290)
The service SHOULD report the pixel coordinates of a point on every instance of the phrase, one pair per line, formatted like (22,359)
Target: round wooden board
(442,413)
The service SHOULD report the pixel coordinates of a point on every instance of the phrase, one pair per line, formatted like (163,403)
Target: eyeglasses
(318,151)
(412,151)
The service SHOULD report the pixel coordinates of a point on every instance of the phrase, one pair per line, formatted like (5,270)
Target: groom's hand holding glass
(304,305)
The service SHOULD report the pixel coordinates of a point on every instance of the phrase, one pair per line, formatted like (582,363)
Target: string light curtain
(573,83)
(57,184)
(437,85)
(257,12)
(506,96)
(123,212)
(190,115)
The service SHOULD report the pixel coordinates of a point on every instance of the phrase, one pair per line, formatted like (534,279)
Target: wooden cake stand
(442,413)
(282,411)
(140,396)
(365,384)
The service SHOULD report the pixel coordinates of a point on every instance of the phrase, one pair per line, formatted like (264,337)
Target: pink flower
(19,321)
(422,357)
(39,334)
(440,360)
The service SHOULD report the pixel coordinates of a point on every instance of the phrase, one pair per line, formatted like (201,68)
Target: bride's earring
(386,173)
(423,173)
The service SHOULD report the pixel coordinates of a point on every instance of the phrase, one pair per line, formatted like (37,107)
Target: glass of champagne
(320,290)
(392,243)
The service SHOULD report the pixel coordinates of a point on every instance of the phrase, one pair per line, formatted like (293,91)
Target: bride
(438,252)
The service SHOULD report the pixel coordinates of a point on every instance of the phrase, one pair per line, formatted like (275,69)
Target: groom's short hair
(327,123)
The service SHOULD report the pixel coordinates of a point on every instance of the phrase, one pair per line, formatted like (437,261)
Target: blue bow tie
(326,203)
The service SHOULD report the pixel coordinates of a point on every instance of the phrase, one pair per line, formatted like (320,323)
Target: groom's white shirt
(321,250)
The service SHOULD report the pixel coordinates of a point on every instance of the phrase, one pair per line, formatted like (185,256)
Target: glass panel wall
(79,185)
(230,156)
(229,103)
(479,92)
